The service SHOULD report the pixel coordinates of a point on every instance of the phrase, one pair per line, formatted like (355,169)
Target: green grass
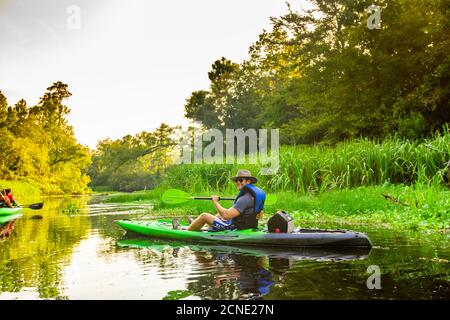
(101,189)
(419,207)
(137,196)
(21,190)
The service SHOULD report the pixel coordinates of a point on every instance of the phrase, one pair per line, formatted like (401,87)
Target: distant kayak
(9,211)
(162,229)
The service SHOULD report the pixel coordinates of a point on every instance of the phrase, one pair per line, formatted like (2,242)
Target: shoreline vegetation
(39,148)
(21,189)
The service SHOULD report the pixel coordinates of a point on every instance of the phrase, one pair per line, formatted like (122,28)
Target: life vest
(247,220)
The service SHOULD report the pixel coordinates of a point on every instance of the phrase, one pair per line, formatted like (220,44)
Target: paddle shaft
(210,198)
(174,196)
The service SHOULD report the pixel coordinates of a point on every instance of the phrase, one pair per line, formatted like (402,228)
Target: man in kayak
(6,198)
(245,212)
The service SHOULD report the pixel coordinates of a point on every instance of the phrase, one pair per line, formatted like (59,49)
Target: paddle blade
(174,196)
(270,199)
(36,206)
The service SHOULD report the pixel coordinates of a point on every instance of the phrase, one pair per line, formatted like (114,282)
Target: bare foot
(175,224)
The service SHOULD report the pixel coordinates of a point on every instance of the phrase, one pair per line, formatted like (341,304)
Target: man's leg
(8,203)
(4,200)
(204,218)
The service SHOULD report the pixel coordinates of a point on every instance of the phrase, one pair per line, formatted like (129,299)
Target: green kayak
(9,211)
(162,229)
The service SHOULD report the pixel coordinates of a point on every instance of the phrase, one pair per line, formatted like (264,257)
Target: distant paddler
(7,198)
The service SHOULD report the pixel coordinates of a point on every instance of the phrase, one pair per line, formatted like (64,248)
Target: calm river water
(76,251)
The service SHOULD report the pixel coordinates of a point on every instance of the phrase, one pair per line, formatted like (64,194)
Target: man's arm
(226,214)
(230,214)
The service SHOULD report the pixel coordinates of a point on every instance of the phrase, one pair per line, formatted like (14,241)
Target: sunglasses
(239,180)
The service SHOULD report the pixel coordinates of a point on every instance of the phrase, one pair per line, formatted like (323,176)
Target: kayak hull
(162,229)
(10,211)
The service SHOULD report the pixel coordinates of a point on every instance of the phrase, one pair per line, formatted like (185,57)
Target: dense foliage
(323,76)
(133,162)
(39,146)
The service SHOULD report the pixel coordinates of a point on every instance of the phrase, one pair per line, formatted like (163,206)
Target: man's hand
(226,214)
(260,215)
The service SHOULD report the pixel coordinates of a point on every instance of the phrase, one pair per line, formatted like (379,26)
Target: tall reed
(305,169)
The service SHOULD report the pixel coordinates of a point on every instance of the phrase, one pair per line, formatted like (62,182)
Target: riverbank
(400,207)
(22,190)
(25,191)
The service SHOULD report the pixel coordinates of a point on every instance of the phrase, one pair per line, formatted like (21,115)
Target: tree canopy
(39,146)
(323,76)
(133,162)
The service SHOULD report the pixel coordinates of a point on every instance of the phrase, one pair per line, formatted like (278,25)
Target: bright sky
(131,64)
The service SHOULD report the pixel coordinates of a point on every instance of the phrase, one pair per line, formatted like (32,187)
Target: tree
(322,76)
(133,162)
(40,146)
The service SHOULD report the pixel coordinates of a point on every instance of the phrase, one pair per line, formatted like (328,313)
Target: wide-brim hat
(246,175)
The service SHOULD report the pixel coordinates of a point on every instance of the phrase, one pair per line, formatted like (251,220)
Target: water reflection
(228,272)
(73,252)
(36,250)
(7,224)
